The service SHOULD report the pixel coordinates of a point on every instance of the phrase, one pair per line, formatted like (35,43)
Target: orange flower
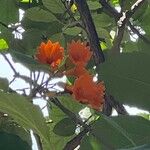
(88,92)
(79,53)
(50,53)
(77,71)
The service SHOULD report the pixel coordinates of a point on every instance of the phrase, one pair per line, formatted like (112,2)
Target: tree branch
(117,16)
(136,31)
(72,144)
(110,103)
(91,31)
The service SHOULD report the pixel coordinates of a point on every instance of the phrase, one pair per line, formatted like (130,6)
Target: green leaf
(65,127)
(72,31)
(110,137)
(4,84)
(143,147)
(3,45)
(89,142)
(58,37)
(7,36)
(9,126)
(12,142)
(119,128)
(127,78)
(26,114)
(102,20)
(54,27)
(39,15)
(93,5)
(142,46)
(26,45)
(56,6)
(140,13)
(29,24)
(9,11)
(130,46)
(104,34)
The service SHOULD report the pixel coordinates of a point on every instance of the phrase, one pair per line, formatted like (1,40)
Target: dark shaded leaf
(127,78)
(65,127)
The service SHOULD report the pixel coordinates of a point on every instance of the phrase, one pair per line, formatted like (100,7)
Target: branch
(117,16)
(136,31)
(72,144)
(91,31)
(109,9)
(110,103)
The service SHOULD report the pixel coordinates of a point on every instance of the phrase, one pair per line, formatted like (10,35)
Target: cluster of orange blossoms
(84,90)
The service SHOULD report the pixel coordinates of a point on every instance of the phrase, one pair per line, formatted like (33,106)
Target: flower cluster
(84,89)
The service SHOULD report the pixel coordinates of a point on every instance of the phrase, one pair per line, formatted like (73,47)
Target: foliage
(60,34)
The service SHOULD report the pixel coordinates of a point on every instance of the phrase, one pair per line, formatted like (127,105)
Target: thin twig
(12,67)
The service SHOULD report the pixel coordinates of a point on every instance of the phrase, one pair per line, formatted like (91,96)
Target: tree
(78,39)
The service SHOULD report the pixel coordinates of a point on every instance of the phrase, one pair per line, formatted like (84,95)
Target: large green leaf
(26,114)
(55,6)
(89,142)
(9,12)
(12,142)
(39,15)
(8,125)
(130,46)
(110,137)
(142,147)
(127,77)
